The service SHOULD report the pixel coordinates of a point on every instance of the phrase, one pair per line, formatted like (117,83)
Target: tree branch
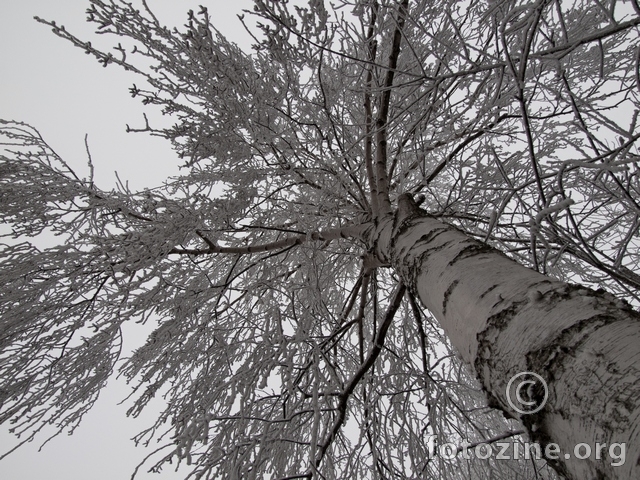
(382,178)
(364,368)
(353,231)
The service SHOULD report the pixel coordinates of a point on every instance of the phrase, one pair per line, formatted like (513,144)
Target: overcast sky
(66,94)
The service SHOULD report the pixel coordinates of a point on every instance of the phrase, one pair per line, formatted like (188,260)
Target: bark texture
(504,318)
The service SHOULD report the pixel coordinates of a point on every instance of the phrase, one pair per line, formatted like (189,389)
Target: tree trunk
(504,319)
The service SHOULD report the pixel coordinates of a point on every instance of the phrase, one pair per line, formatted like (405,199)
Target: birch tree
(386,211)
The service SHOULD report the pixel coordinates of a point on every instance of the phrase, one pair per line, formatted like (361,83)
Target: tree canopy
(282,345)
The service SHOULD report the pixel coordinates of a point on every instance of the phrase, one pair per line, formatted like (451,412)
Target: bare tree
(313,320)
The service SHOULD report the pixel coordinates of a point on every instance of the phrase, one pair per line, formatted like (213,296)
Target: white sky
(66,94)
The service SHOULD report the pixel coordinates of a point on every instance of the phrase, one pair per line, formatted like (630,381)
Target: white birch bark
(504,318)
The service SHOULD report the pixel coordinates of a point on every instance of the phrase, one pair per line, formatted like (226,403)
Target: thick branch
(368,145)
(382,179)
(364,368)
(354,231)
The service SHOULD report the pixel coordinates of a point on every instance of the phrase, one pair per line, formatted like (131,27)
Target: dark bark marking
(429,237)
(424,239)
(486,338)
(484,294)
(447,294)
(495,324)
(538,433)
(415,268)
(471,251)
(567,342)
(550,358)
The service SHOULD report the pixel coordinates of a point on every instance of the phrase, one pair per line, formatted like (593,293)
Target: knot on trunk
(407,207)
